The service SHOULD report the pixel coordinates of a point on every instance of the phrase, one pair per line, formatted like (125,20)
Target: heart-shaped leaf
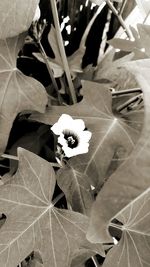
(132,178)
(33,223)
(16,16)
(112,138)
(17,91)
(134,247)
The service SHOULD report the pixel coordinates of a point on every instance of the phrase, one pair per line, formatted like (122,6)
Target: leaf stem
(56,199)
(62,51)
(122,7)
(116,13)
(129,102)
(104,36)
(45,58)
(128,91)
(146,17)
(3,166)
(7,156)
(95,261)
(55,164)
(119,227)
(89,26)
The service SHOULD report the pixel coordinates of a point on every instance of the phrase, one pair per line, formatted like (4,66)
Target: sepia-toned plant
(74,133)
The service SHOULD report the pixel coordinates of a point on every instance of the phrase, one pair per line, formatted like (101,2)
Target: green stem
(88,28)
(146,17)
(104,37)
(95,261)
(117,226)
(114,10)
(129,102)
(126,92)
(122,7)
(56,199)
(45,58)
(7,156)
(55,164)
(62,51)
(3,166)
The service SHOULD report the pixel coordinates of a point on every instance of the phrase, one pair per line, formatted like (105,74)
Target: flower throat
(71,139)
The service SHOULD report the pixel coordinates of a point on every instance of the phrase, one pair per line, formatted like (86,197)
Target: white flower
(37,14)
(73,137)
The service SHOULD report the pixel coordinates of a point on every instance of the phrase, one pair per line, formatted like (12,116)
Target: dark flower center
(72,139)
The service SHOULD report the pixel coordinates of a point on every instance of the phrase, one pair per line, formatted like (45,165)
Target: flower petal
(79,125)
(62,140)
(66,125)
(69,152)
(63,123)
(85,136)
(37,14)
(56,129)
(65,118)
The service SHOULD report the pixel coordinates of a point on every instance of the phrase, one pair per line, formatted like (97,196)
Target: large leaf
(132,178)
(140,44)
(111,136)
(134,247)
(80,256)
(77,189)
(33,223)
(17,91)
(112,72)
(16,16)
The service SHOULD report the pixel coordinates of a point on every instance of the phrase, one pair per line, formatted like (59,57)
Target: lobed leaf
(16,16)
(112,139)
(24,200)
(113,72)
(140,44)
(132,177)
(17,91)
(134,247)
(33,223)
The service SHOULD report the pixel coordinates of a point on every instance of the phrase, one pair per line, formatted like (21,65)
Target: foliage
(135,234)
(32,222)
(109,134)
(13,22)
(17,91)
(93,208)
(134,176)
(139,45)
